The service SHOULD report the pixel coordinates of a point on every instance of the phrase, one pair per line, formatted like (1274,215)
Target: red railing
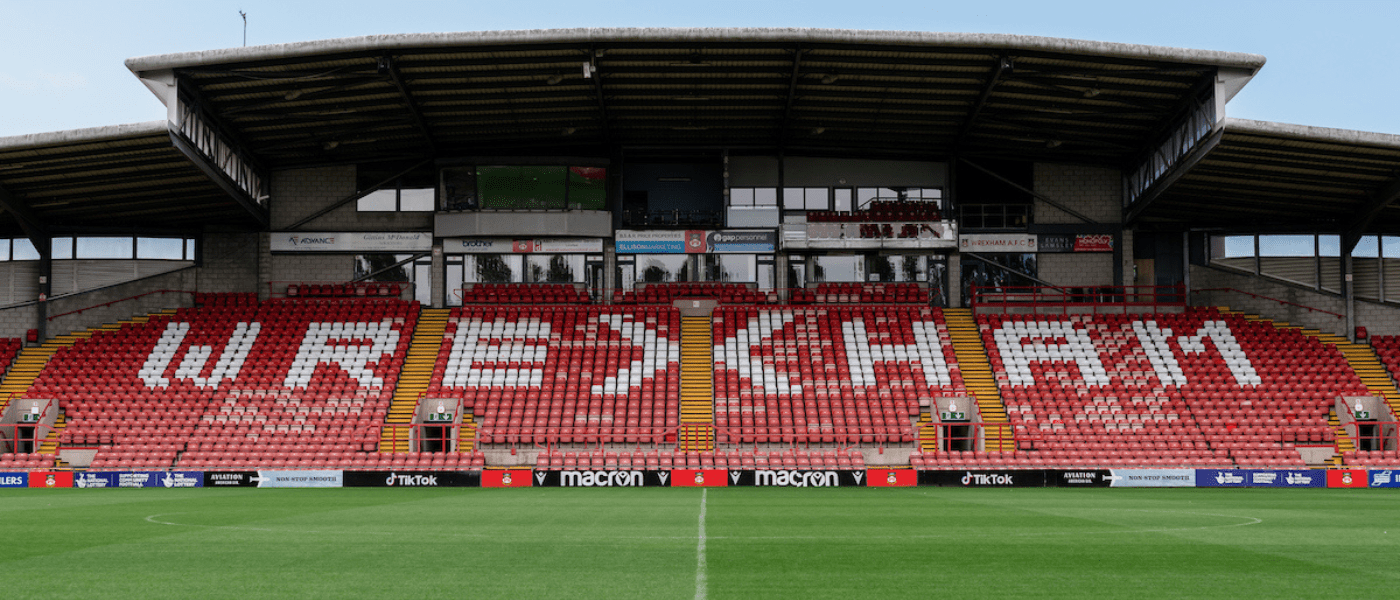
(1384,437)
(1263,297)
(129,298)
(1089,299)
(336,289)
(998,435)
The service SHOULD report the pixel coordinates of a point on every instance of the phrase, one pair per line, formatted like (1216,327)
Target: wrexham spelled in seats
(1193,389)
(293,383)
(563,374)
(828,375)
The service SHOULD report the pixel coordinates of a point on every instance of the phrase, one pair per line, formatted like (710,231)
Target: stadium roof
(897,94)
(594,91)
(1262,176)
(121,178)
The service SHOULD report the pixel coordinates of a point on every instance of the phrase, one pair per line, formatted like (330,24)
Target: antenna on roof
(245,25)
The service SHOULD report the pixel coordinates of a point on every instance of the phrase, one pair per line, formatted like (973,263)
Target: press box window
(409,199)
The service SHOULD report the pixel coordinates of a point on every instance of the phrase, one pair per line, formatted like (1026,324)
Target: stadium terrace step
(414,379)
(697,401)
(977,374)
(50,444)
(1367,366)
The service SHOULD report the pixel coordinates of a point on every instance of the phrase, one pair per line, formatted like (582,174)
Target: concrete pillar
(439,275)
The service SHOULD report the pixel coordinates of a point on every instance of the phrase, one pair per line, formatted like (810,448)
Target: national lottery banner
(1153,478)
(875,477)
(699,478)
(1315,478)
(1221,478)
(412,479)
(14,480)
(504,478)
(1079,478)
(796,478)
(310,478)
(137,479)
(601,478)
(983,478)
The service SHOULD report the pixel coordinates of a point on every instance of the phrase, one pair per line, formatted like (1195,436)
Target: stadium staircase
(32,360)
(1361,359)
(977,377)
(697,431)
(413,382)
(50,444)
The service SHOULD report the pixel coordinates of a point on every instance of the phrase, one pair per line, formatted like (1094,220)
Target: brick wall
(1094,192)
(1083,269)
(1378,319)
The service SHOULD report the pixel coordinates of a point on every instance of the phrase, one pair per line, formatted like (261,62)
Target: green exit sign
(953,416)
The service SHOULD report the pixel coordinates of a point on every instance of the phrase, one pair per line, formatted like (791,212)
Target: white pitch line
(701,583)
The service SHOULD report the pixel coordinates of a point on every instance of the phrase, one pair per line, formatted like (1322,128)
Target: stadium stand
(665,293)
(524,293)
(1121,390)
(563,374)
(235,383)
(828,375)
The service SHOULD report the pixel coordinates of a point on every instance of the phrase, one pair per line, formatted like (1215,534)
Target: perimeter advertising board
(351,241)
(699,478)
(14,480)
(587,478)
(796,478)
(1153,478)
(1347,478)
(891,477)
(503,478)
(1079,478)
(412,479)
(983,478)
(523,246)
(1385,479)
(137,479)
(51,479)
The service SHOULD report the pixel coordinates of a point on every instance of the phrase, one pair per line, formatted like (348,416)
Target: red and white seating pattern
(724,293)
(732,459)
(1192,389)
(564,373)
(523,293)
(21,462)
(233,381)
(861,293)
(836,374)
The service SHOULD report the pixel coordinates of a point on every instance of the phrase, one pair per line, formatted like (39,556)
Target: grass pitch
(646,543)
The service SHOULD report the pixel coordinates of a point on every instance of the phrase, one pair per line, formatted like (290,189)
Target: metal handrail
(1263,297)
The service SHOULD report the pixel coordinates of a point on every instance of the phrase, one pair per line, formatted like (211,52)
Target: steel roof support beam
(1055,203)
(1163,183)
(1003,65)
(34,228)
(355,196)
(1375,205)
(597,78)
(388,67)
(791,97)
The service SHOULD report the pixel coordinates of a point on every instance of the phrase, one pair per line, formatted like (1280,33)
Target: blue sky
(1331,64)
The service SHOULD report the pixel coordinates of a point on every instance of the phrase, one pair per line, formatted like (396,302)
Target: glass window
(794,199)
(818,199)
(741,197)
(841,197)
(897,268)
(521,187)
(588,188)
(556,268)
(104,247)
(1390,247)
(62,248)
(663,268)
(454,280)
(1237,246)
(417,200)
(365,264)
(838,269)
(5,250)
(491,268)
(738,268)
(24,250)
(1329,245)
(1368,247)
(1286,245)
(379,201)
(189,249)
(160,248)
(765,196)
